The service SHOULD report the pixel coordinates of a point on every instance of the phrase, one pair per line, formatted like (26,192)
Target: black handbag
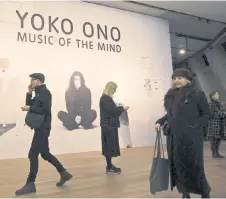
(159,174)
(34,120)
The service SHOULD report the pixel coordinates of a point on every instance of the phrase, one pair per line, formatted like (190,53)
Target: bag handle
(158,142)
(160,136)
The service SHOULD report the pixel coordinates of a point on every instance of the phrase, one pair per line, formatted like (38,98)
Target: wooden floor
(90,179)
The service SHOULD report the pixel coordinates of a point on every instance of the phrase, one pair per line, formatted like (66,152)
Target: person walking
(40,104)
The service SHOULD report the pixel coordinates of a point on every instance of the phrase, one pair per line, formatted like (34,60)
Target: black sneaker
(113,170)
(26,189)
(186,195)
(65,176)
(219,155)
(206,196)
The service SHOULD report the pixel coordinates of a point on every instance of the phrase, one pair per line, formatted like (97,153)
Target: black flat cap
(38,76)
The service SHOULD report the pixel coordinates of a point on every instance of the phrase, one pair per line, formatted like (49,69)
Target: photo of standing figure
(78,103)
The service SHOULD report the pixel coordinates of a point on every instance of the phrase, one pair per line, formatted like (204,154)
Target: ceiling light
(182,51)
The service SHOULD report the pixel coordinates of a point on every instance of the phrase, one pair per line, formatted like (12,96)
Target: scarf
(178,95)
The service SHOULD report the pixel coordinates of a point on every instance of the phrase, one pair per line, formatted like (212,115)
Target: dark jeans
(215,145)
(40,145)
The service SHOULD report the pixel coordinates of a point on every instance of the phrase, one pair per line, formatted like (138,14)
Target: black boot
(64,176)
(186,195)
(206,196)
(113,170)
(218,148)
(28,188)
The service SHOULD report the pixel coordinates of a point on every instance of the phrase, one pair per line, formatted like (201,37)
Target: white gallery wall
(135,53)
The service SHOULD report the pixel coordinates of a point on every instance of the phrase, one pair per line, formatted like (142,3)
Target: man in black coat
(187,114)
(40,104)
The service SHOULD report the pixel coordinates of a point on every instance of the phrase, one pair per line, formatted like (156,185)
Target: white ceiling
(179,23)
(214,10)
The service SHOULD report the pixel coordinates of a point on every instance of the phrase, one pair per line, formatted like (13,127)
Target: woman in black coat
(109,122)
(215,129)
(187,114)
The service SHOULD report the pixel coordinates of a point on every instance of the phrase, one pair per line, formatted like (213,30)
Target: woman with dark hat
(187,113)
(215,129)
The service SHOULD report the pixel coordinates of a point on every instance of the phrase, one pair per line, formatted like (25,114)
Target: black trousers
(40,145)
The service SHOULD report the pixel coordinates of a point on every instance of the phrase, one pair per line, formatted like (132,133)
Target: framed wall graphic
(157,84)
(154,85)
(148,87)
(147,84)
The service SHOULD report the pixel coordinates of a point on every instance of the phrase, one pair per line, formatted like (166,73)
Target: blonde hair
(110,88)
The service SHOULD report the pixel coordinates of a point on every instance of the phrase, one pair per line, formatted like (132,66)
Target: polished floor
(90,179)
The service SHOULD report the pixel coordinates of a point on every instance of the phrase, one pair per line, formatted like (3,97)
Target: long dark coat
(216,125)
(185,142)
(109,122)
